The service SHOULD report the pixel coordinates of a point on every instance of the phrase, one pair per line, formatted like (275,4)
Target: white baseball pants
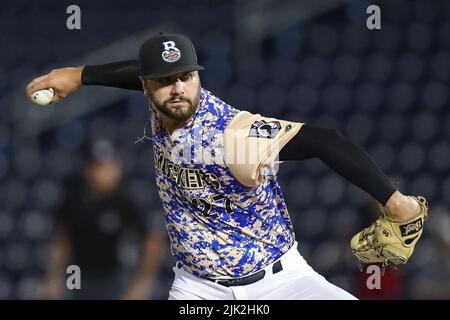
(297,281)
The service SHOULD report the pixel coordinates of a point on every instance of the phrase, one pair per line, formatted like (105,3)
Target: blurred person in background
(91,225)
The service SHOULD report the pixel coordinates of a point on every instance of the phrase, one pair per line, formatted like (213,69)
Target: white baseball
(42,97)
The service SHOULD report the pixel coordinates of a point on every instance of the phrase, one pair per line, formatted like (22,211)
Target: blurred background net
(311,62)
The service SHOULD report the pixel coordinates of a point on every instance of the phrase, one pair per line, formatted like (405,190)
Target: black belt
(276,267)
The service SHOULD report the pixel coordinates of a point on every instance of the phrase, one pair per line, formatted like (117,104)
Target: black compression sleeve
(341,155)
(122,74)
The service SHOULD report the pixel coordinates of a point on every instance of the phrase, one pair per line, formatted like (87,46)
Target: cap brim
(174,70)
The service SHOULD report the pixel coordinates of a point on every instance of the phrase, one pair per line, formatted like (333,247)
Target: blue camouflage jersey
(217,226)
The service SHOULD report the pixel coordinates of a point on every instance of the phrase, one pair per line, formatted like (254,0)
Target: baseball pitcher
(226,217)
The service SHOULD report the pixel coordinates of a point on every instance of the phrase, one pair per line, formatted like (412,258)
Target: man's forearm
(60,254)
(122,74)
(341,155)
(150,261)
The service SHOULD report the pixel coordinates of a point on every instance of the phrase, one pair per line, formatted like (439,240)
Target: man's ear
(143,85)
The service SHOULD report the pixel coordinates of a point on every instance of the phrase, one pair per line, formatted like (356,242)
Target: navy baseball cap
(167,54)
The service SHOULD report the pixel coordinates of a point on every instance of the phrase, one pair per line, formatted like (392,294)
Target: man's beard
(179,114)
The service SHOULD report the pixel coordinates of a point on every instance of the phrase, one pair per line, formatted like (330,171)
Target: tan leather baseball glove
(388,241)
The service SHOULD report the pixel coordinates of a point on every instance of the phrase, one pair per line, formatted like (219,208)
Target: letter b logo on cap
(171,53)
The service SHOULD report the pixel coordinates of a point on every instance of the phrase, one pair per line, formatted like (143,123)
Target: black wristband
(85,76)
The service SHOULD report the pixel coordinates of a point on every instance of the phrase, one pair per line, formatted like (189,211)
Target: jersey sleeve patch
(252,143)
(264,129)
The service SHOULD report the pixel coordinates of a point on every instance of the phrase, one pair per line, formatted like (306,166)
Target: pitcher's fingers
(39,83)
(56,98)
